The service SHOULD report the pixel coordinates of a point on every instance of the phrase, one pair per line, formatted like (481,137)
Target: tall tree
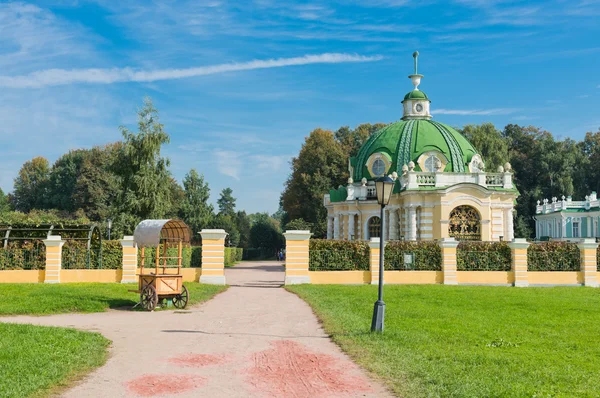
(31,185)
(226,203)
(490,143)
(4,205)
(195,209)
(146,180)
(590,148)
(242,222)
(63,179)
(352,139)
(320,166)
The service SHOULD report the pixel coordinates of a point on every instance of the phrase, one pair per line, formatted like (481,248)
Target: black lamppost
(109,225)
(384,187)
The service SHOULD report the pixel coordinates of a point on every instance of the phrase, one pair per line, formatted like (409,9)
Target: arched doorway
(464,223)
(374,227)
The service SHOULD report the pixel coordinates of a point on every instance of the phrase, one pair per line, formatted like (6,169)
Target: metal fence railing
(29,258)
(334,260)
(409,260)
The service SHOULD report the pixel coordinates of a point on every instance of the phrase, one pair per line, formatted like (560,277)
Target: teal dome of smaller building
(416,94)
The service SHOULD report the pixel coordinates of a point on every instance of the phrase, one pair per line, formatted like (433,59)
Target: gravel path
(254,340)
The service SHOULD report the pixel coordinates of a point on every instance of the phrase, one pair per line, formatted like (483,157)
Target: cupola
(416,103)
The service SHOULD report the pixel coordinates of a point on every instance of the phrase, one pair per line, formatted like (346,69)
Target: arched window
(465,223)
(374,227)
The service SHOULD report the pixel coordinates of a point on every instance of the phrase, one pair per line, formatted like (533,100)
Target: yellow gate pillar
(587,254)
(213,256)
(296,257)
(448,246)
(518,254)
(374,259)
(54,245)
(130,259)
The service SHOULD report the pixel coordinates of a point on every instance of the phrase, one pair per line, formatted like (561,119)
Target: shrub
(553,256)
(424,256)
(260,253)
(150,253)
(233,255)
(483,256)
(196,256)
(24,254)
(112,254)
(338,255)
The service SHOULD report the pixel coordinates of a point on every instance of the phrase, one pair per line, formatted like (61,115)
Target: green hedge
(112,254)
(338,255)
(196,257)
(149,253)
(483,256)
(413,256)
(233,255)
(553,256)
(18,255)
(260,253)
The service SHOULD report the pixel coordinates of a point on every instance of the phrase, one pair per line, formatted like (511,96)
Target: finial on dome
(415,77)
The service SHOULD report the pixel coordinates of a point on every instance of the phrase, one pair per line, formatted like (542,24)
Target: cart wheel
(149,298)
(181,300)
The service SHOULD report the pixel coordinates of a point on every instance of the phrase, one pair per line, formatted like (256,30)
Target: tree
(320,166)
(227,223)
(590,148)
(226,202)
(242,222)
(298,225)
(4,205)
(490,144)
(352,140)
(146,181)
(31,185)
(265,233)
(195,209)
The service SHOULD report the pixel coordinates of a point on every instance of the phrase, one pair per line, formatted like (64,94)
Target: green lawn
(44,299)
(469,341)
(36,359)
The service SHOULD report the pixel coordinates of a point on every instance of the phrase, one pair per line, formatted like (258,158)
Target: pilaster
(213,256)
(587,253)
(296,257)
(54,245)
(448,246)
(374,251)
(130,259)
(518,254)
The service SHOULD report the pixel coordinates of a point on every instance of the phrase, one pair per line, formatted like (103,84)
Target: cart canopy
(149,233)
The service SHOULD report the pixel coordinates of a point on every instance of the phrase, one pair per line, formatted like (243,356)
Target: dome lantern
(416,103)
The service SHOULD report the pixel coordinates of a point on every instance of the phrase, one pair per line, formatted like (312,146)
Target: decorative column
(374,260)
(412,223)
(329,227)
(393,223)
(350,226)
(213,256)
(448,246)
(385,231)
(518,254)
(54,245)
(509,232)
(587,254)
(130,260)
(336,226)
(296,257)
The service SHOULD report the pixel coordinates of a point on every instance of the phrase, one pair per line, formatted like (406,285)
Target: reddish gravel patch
(199,360)
(288,369)
(161,384)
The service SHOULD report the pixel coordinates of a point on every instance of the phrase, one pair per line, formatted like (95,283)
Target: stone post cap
(374,243)
(448,243)
(53,240)
(297,235)
(213,234)
(587,243)
(128,241)
(519,243)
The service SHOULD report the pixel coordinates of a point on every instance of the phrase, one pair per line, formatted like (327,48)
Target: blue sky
(240,84)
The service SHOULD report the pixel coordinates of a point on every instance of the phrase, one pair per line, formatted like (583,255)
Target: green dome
(407,140)
(416,94)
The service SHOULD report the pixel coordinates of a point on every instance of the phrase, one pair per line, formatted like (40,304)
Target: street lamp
(109,225)
(384,186)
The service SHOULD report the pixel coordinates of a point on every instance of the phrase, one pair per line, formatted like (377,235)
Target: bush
(338,255)
(196,256)
(259,253)
(553,256)
(150,253)
(233,255)
(483,256)
(19,255)
(112,254)
(425,256)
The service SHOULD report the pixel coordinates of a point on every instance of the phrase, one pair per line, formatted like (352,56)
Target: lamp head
(109,223)
(384,186)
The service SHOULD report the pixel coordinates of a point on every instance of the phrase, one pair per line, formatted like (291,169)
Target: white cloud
(229,163)
(494,111)
(55,77)
(272,163)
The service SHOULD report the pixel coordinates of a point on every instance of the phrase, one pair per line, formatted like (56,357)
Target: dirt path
(254,340)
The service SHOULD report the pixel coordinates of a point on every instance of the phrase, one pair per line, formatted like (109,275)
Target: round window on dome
(431,163)
(379,167)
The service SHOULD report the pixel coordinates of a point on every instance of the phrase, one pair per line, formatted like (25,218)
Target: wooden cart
(164,280)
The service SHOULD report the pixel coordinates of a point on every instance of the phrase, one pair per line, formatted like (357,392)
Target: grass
(35,360)
(469,341)
(46,299)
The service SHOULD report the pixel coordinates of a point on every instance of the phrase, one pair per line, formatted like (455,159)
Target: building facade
(568,219)
(441,186)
